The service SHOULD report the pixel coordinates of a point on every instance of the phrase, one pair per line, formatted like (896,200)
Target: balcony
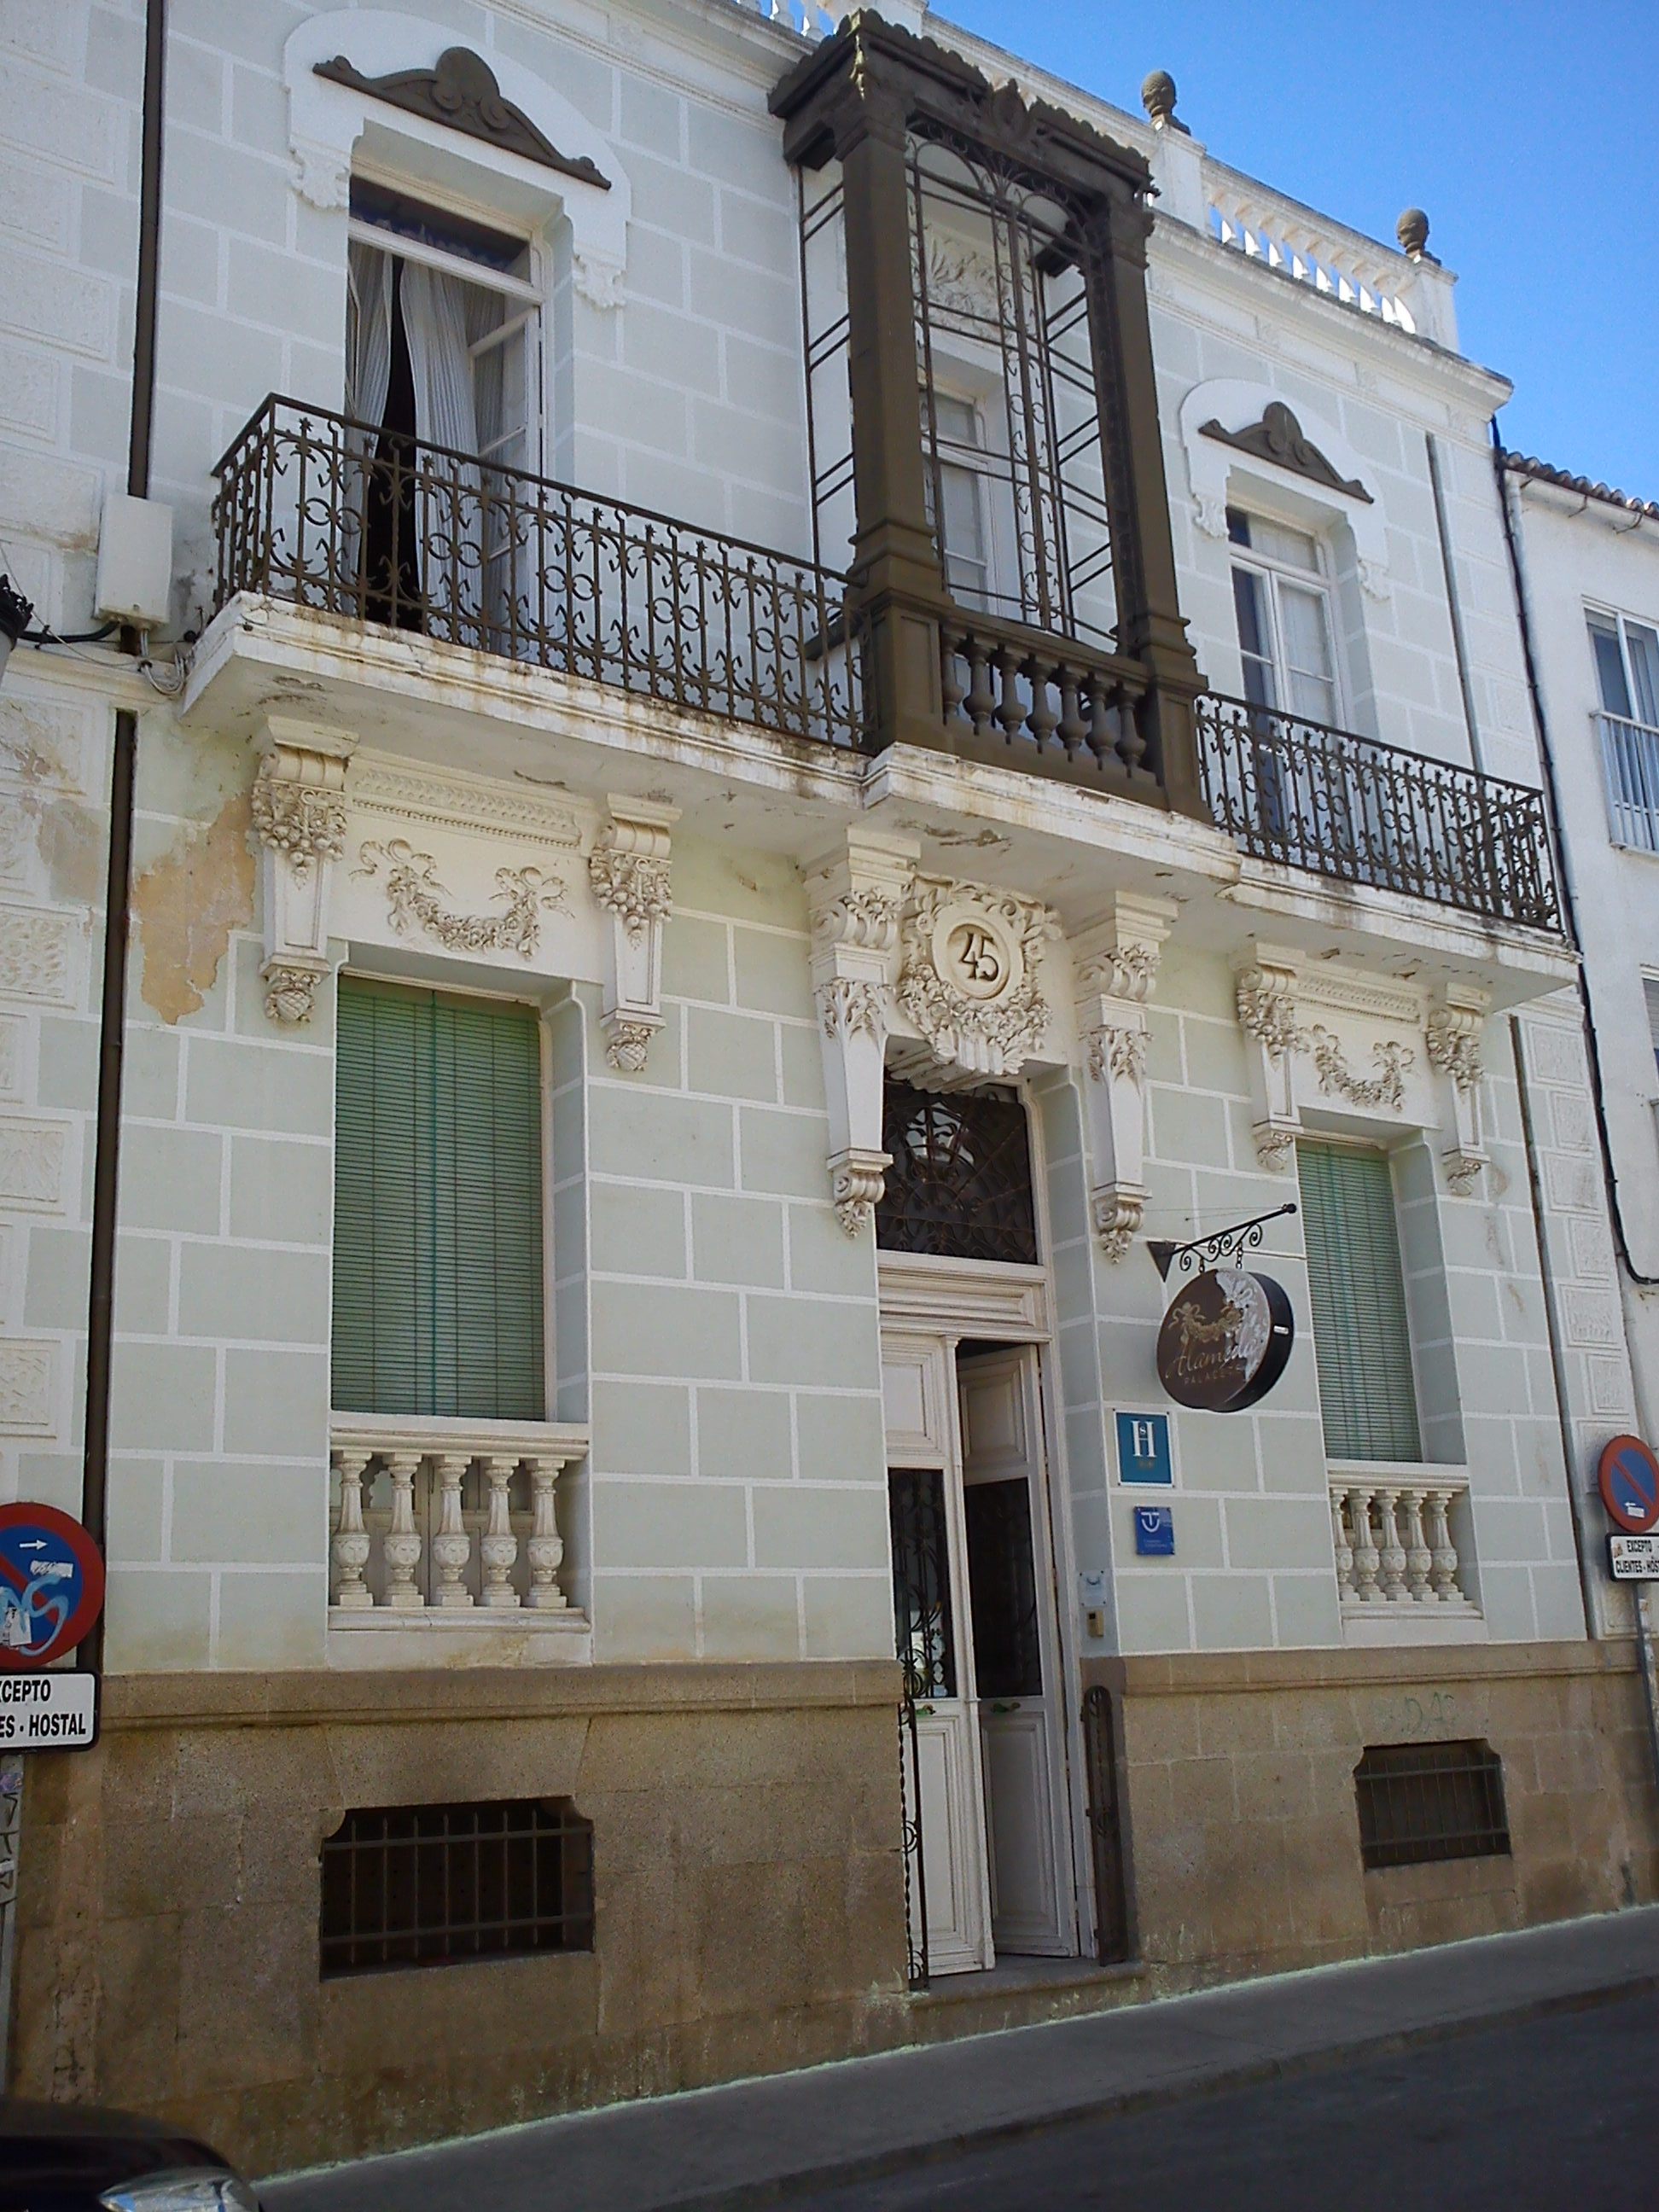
(1400,1573)
(323,512)
(1376,815)
(328,512)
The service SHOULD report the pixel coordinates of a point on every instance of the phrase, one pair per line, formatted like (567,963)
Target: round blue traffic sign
(1629,1479)
(52,1584)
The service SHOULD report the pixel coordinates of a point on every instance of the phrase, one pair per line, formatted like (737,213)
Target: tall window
(442,346)
(1282,601)
(1628,676)
(962,487)
(437,1205)
(1362,1340)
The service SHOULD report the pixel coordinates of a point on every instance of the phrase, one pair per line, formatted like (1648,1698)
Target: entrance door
(931,1616)
(1015,1661)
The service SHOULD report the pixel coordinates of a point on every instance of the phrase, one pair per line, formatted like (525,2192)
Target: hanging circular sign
(1629,1478)
(1225,1338)
(52,1584)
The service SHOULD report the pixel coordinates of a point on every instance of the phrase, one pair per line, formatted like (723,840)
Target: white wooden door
(1015,1658)
(930,1605)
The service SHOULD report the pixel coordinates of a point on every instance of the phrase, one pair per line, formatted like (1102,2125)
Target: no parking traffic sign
(52,1584)
(1629,1479)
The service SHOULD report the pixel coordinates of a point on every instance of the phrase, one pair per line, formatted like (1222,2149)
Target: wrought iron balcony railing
(328,512)
(1344,806)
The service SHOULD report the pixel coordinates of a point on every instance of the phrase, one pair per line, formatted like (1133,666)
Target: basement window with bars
(1362,1336)
(1423,1802)
(440,1885)
(438,1259)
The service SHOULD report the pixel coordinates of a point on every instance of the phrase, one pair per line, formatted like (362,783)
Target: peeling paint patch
(186,907)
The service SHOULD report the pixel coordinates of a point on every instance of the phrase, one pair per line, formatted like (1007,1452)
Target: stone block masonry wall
(748,1912)
(1229,1759)
(737,1475)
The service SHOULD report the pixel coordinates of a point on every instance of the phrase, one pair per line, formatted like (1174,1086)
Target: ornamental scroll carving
(856,898)
(298,806)
(1390,1058)
(1117,962)
(630,874)
(416,900)
(969,975)
(1279,438)
(1452,1035)
(462,93)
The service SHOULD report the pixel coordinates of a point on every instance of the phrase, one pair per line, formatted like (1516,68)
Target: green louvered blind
(437,1205)
(1361,1336)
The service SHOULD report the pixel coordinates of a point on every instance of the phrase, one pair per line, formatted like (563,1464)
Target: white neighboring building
(1589,572)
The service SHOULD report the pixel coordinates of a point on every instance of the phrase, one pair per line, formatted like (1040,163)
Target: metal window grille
(960,1183)
(1421,1802)
(436,1884)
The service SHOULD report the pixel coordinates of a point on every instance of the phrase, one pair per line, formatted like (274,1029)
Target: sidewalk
(760,2142)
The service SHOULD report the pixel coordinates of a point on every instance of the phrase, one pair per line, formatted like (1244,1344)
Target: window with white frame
(961,487)
(1282,603)
(444,327)
(1355,1287)
(1626,655)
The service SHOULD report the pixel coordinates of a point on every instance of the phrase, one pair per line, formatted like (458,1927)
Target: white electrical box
(135,560)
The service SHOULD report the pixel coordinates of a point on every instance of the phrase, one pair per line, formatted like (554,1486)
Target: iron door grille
(437,1884)
(1421,1802)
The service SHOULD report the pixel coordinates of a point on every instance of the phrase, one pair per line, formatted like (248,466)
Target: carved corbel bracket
(1116,967)
(1265,994)
(856,899)
(629,871)
(1453,1031)
(299,813)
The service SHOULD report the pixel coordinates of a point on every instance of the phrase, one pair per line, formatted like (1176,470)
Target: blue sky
(1529,131)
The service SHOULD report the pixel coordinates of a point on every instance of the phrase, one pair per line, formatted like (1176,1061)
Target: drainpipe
(1609,1170)
(107,1157)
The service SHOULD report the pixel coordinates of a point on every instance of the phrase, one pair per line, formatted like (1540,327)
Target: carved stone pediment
(1279,438)
(970,974)
(462,93)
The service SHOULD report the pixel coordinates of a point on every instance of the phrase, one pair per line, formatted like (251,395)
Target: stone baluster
(498,1546)
(1419,1558)
(350,1548)
(546,1546)
(401,1545)
(1442,1552)
(1393,1551)
(1366,1557)
(1344,1547)
(452,1546)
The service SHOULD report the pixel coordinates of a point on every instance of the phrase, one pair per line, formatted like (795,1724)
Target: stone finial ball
(1413,231)
(1158,95)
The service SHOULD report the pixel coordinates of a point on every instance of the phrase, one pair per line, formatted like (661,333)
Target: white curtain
(449,508)
(368,376)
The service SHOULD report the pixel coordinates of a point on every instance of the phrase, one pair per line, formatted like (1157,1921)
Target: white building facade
(787,730)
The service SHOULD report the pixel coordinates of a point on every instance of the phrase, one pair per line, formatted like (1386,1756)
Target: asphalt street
(1553,2115)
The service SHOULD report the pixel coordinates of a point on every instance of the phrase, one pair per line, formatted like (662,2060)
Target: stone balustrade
(448,1522)
(1398,1568)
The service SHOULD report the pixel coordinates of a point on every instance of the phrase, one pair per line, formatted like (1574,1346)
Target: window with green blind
(437,1205)
(1362,1339)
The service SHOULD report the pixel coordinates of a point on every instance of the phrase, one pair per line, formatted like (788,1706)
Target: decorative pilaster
(1454,1032)
(299,812)
(1266,999)
(629,871)
(856,900)
(1117,966)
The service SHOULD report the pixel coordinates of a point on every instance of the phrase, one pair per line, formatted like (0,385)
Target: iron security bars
(323,511)
(1344,806)
(1421,1802)
(435,1884)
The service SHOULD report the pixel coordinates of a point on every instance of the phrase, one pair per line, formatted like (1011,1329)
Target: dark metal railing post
(915,1892)
(1105,1827)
